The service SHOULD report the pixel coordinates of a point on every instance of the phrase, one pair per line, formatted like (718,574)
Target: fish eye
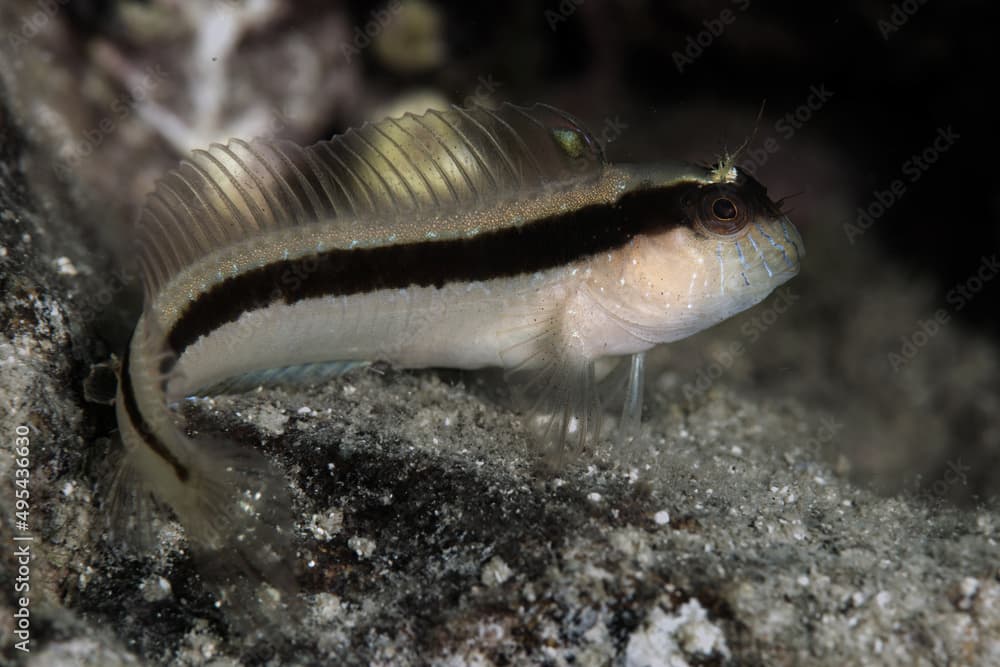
(724,209)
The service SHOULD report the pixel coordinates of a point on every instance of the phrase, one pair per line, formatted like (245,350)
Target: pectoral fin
(554,387)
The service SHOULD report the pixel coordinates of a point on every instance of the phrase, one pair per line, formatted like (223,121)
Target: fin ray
(286,376)
(439,161)
(230,499)
(555,389)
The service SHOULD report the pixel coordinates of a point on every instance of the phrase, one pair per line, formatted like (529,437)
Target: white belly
(462,325)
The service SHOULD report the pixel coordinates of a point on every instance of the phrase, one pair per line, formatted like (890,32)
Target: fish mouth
(761,257)
(778,246)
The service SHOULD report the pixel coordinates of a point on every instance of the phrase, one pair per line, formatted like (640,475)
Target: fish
(464,238)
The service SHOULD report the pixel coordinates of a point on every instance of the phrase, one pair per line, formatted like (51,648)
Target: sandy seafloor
(796,501)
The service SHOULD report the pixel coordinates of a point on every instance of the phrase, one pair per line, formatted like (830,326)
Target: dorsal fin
(461,157)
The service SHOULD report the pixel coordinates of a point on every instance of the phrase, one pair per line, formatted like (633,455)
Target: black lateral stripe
(139,423)
(534,246)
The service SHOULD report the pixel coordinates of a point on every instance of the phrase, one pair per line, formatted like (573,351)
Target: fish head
(755,245)
(716,246)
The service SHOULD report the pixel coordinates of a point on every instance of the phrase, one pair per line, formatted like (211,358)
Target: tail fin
(232,504)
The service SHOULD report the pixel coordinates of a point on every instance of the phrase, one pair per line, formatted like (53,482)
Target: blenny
(463,238)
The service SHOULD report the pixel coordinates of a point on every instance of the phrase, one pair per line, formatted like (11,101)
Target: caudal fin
(233,504)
